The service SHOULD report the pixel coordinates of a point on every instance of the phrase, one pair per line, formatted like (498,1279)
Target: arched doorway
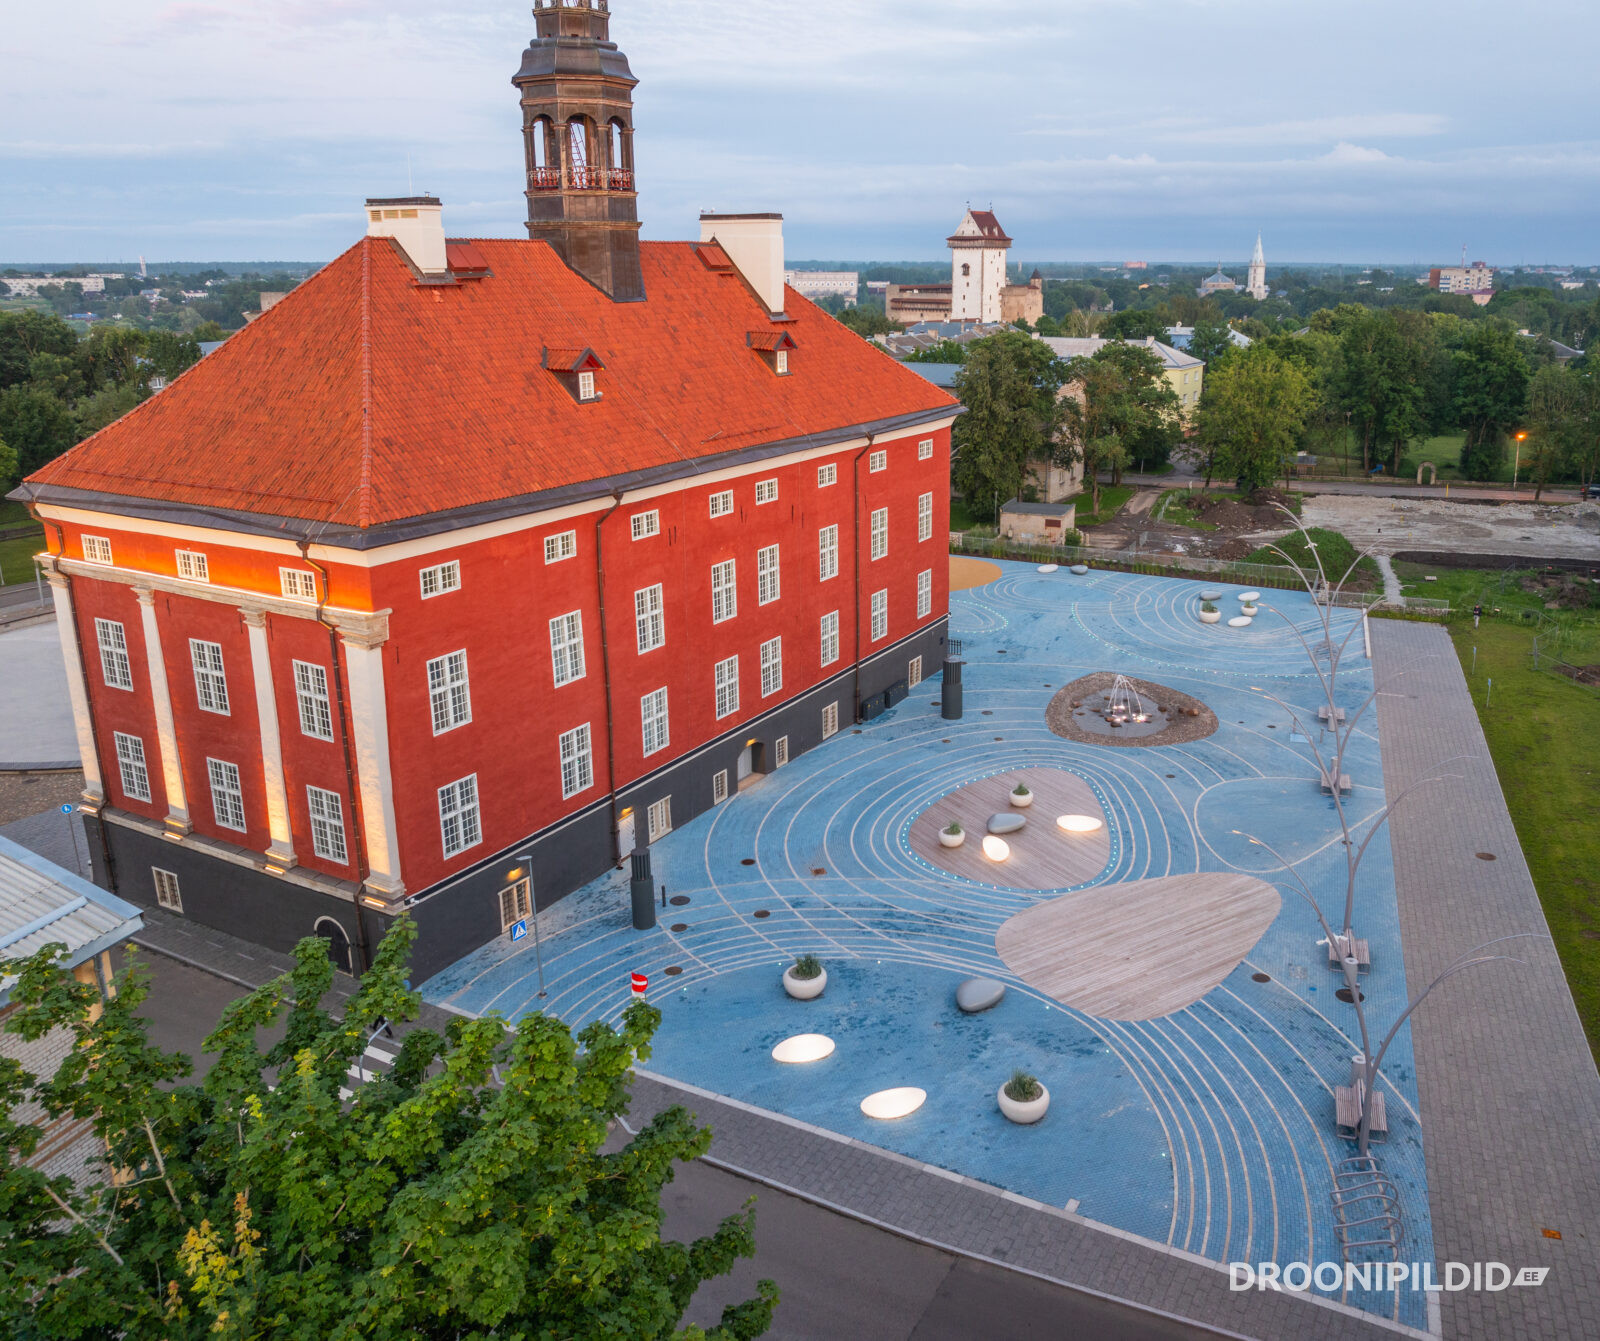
(1433,475)
(338,942)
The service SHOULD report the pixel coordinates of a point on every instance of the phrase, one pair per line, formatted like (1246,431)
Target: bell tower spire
(577,129)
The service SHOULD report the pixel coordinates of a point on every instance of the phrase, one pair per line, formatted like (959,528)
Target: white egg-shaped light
(1079,823)
(803,1048)
(1249,597)
(996,848)
(896,1103)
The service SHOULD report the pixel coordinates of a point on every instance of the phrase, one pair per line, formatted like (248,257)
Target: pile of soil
(1582,674)
(1562,591)
(1230,514)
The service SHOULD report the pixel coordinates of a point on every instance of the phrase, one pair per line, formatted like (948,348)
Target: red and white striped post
(640,983)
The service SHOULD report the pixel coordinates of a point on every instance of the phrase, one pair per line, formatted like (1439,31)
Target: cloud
(1319,130)
(1344,152)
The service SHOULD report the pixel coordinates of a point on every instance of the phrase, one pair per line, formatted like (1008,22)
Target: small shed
(1037,523)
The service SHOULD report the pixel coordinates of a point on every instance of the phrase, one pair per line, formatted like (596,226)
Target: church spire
(577,127)
(1256,286)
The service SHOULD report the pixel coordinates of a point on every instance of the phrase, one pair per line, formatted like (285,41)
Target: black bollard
(950,692)
(643,889)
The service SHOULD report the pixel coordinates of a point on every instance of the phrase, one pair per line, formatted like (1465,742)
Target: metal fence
(1557,642)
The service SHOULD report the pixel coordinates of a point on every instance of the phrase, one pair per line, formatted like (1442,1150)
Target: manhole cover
(988,712)
(1344,995)
(678,900)
(747,861)
(819,870)
(945,741)
(1272,726)
(673,970)
(1486,856)
(1172,775)
(856,732)
(1260,977)
(1002,651)
(680,926)
(762,912)
(999,737)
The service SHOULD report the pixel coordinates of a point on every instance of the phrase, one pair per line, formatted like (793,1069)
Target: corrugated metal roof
(42,904)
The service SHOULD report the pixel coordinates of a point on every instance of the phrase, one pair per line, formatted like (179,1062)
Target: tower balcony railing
(601,179)
(544,179)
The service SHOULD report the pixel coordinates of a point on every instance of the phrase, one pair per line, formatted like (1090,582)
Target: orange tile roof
(366,398)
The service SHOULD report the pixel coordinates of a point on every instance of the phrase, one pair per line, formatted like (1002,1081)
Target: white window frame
(924,593)
(516,903)
(725,680)
(913,672)
(880,614)
(828,474)
(96,549)
(877,461)
(449,691)
(880,533)
(724,591)
(766,491)
(297,584)
(562,545)
(168,893)
(830,720)
(131,764)
(780,751)
(577,761)
(460,815)
(924,517)
(192,565)
(769,584)
(658,818)
(722,503)
(830,638)
(655,724)
(115,668)
(645,524)
(326,810)
(828,552)
(780,359)
(440,579)
(771,666)
(586,386)
(719,787)
(210,676)
(649,617)
(925,450)
(227,795)
(566,648)
(311,696)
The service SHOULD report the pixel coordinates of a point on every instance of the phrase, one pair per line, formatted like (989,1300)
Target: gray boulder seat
(1007,822)
(1210,594)
(977,994)
(1079,568)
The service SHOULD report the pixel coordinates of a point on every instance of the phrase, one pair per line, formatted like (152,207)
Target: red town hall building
(469,550)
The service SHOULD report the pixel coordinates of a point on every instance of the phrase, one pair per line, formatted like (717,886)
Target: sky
(1097,129)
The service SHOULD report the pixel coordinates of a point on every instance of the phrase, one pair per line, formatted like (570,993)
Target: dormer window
(576,368)
(781,359)
(773,347)
(586,386)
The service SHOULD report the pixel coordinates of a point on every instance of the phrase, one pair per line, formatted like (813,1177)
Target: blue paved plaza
(1209,1130)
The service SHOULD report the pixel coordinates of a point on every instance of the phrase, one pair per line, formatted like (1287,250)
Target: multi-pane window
(459,822)
(448,692)
(767,575)
(327,825)
(719,787)
(311,693)
(722,504)
(880,614)
(210,683)
(193,566)
(766,491)
(780,751)
(914,672)
(96,549)
(924,593)
(130,762)
(877,461)
(828,474)
(658,818)
(771,666)
(830,637)
(781,362)
(227,796)
(830,720)
(442,577)
(726,674)
(647,614)
(566,647)
(646,524)
(724,593)
(925,449)
(653,720)
(880,532)
(586,386)
(298,584)
(114,663)
(577,765)
(827,553)
(561,546)
(167,893)
(924,516)
(516,904)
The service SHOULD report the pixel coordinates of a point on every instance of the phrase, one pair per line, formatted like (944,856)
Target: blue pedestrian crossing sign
(519,930)
(67,807)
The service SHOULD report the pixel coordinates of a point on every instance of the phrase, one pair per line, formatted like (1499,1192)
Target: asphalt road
(1183,478)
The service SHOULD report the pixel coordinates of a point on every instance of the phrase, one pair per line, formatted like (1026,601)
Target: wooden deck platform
(1043,856)
(1140,949)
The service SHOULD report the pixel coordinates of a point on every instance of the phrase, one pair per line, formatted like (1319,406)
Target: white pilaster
(94,791)
(280,852)
(166,731)
(369,733)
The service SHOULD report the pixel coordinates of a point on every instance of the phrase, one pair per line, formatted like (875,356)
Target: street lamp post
(1517,468)
(526,862)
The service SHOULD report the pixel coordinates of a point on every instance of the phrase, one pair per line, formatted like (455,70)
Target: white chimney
(417,224)
(754,243)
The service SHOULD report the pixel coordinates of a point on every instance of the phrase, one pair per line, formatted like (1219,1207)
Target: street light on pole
(1517,468)
(526,862)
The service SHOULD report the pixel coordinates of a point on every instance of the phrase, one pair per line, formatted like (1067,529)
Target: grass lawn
(1496,589)
(960,518)
(1173,506)
(1112,498)
(1543,744)
(16,557)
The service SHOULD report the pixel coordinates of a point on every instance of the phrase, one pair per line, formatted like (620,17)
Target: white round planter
(1248,610)
(1210,616)
(1022,802)
(952,839)
(804,989)
(1024,1113)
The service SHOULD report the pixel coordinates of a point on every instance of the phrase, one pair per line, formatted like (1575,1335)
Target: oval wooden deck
(1140,949)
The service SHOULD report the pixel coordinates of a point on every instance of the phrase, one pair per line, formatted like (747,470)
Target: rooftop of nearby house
(1075,347)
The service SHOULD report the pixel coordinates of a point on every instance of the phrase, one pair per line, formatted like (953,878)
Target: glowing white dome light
(996,848)
(803,1048)
(897,1103)
(1078,823)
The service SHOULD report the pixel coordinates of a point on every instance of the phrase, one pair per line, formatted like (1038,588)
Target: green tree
(1561,426)
(1491,394)
(37,425)
(946,351)
(465,1193)
(1009,385)
(8,467)
(1378,382)
(1252,412)
(867,320)
(1136,324)
(1120,409)
(23,335)
(1210,341)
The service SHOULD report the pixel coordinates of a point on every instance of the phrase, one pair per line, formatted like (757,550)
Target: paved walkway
(1184,479)
(1509,1095)
(1391,579)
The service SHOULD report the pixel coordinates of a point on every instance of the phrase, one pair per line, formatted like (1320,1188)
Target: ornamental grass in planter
(1023,1099)
(805,978)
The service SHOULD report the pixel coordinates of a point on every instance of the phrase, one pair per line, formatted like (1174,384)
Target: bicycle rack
(1366,1210)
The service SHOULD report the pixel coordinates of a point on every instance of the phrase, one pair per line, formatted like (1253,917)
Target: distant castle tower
(977,267)
(1257,286)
